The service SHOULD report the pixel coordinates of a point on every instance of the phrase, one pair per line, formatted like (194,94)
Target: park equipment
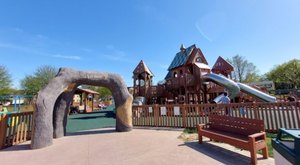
(189,80)
(234,88)
(286,146)
(230,85)
(53,102)
(256,93)
(15,100)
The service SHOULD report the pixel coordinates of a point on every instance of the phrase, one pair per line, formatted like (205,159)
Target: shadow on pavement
(158,128)
(19,147)
(89,132)
(218,153)
(105,114)
(25,146)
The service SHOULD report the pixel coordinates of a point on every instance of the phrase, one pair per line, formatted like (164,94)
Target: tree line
(31,84)
(285,76)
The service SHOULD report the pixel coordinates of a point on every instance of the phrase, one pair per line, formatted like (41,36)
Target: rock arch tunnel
(53,101)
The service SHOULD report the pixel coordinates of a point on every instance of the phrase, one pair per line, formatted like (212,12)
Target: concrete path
(141,146)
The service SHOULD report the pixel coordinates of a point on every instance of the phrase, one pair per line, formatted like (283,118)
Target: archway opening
(92,107)
(53,101)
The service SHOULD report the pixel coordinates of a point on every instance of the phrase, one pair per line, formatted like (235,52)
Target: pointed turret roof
(182,47)
(181,57)
(142,68)
(222,65)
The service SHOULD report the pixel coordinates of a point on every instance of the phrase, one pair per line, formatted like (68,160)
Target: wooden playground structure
(189,80)
(83,100)
(87,100)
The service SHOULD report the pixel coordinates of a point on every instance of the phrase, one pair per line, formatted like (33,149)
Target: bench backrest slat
(238,125)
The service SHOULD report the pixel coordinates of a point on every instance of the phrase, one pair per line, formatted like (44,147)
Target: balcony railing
(183,80)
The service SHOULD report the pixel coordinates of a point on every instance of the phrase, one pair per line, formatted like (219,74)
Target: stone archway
(53,101)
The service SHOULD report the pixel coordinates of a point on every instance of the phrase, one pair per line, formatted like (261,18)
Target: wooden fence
(275,115)
(15,128)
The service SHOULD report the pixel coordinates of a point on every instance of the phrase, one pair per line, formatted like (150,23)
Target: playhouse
(84,100)
(190,80)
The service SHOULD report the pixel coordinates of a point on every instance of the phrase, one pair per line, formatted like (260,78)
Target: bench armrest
(256,135)
(200,126)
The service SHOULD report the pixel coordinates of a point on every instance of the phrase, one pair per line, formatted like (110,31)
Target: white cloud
(164,66)
(202,33)
(116,57)
(88,50)
(212,25)
(67,57)
(115,54)
(110,47)
(19,30)
(6,45)
(21,48)
(36,52)
(152,12)
(40,36)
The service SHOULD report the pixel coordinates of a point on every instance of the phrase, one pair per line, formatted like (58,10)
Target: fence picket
(15,128)
(276,115)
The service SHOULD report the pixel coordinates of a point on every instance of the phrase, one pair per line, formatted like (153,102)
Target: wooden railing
(275,115)
(182,80)
(15,128)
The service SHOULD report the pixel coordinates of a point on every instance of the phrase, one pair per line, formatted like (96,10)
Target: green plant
(270,136)
(190,130)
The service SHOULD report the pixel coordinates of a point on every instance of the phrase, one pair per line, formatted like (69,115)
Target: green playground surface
(100,119)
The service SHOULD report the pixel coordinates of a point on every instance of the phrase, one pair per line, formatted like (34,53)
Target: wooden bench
(243,133)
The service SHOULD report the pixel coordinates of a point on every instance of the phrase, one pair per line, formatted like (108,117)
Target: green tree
(5,81)
(31,84)
(244,71)
(103,91)
(286,75)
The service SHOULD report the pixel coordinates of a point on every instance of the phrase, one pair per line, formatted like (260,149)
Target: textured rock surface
(60,113)
(53,101)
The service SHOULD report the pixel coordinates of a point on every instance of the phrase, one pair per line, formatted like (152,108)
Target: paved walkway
(140,146)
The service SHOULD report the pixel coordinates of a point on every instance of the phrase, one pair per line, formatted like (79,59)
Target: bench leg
(253,157)
(265,153)
(200,139)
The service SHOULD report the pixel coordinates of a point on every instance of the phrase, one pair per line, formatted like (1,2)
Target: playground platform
(140,146)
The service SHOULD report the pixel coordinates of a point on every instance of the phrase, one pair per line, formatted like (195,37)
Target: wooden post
(298,113)
(92,102)
(156,115)
(134,86)
(85,101)
(3,130)
(184,123)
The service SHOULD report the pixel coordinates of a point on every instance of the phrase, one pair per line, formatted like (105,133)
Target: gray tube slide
(256,93)
(234,88)
(230,85)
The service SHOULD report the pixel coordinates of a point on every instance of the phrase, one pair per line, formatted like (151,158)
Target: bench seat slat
(230,138)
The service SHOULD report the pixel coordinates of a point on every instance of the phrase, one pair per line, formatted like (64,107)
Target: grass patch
(190,130)
(189,134)
(23,108)
(270,136)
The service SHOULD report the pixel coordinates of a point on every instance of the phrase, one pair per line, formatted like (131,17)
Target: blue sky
(114,35)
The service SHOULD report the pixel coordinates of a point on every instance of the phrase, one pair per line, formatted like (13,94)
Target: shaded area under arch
(95,120)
